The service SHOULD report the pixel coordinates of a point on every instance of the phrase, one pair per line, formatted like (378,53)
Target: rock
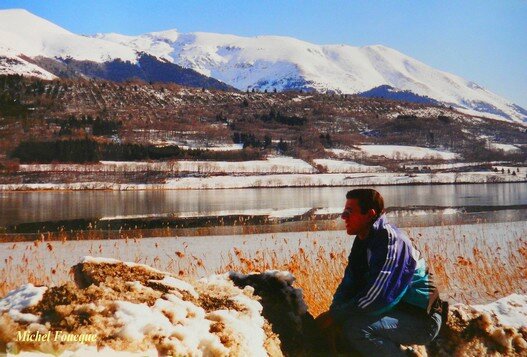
(284,307)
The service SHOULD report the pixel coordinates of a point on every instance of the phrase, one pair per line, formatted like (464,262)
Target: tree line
(88,150)
(277,116)
(99,126)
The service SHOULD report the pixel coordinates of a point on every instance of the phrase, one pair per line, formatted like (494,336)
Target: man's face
(356,221)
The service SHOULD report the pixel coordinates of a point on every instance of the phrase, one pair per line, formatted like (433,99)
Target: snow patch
(287,213)
(397,152)
(510,310)
(17,300)
(12,64)
(505,147)
(178,285)
(340,166)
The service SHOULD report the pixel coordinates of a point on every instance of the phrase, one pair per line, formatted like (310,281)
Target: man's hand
(329,331)
(324,320)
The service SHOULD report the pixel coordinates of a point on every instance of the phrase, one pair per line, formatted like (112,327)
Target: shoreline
(278,181)
(243,222)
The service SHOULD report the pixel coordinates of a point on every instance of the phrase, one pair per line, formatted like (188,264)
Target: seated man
(386,297)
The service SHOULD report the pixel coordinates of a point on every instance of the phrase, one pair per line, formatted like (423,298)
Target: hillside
(303,125)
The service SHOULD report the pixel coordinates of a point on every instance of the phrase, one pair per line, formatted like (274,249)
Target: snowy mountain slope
(262,62)
(268,62)
(24,33)
(10,64)
(32,46)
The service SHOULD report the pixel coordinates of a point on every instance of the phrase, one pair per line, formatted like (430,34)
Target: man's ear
(372,213)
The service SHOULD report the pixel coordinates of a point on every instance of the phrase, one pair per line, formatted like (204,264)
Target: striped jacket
(383,270)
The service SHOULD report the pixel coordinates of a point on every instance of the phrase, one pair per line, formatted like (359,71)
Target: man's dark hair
(368,198)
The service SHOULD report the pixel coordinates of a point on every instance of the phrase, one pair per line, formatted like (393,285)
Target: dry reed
(465,271)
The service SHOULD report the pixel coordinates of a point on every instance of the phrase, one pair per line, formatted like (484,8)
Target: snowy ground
(12,64)
(214,251)
(505,147)
(520,171)
(197,146)
(397,152)
(282,180)
(510,310)
(271,165)
(496,146)
(457,165)
(344,166)
(278,171)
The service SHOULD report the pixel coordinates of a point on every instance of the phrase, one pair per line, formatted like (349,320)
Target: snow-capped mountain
(27,42)
(268,62)
(30,45)
(24,33)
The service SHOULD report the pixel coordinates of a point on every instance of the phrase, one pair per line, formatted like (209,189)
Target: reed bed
(471,265)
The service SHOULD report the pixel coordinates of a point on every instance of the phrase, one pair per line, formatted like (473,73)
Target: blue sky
(480,40)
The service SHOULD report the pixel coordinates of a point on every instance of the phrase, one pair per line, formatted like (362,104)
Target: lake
(420,204)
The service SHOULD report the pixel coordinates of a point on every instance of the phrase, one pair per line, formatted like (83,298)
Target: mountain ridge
(247,63)
(33,46)
(269,62)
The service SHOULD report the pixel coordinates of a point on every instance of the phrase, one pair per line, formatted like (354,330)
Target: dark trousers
(382,335)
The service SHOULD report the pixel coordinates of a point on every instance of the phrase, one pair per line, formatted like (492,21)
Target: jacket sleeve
(343,294)
(383,287)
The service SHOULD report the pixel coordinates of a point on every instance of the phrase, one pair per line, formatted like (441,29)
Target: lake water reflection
(27,207)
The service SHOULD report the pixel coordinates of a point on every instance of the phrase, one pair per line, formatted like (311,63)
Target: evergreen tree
(267,141)
(282,146)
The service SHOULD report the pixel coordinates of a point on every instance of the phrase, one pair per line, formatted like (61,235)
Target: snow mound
(135,308)
(499,329)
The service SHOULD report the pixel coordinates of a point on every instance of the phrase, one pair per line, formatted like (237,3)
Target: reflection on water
(27,207)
